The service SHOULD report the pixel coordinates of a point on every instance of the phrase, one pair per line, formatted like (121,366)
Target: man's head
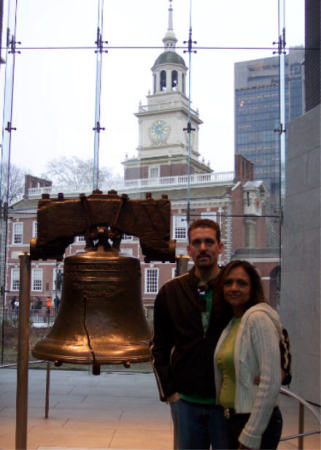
(205,246)
(205,223)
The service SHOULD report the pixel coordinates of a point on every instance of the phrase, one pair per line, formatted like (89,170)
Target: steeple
(170,38)
(163,141)
(169,69)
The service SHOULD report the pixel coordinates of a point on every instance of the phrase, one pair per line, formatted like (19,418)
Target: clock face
(159,131)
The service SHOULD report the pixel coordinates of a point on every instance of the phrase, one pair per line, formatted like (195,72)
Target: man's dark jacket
(182,355)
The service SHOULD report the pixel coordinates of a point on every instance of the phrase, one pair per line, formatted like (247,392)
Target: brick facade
(225,202)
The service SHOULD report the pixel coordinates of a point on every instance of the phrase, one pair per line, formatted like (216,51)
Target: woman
(247,361)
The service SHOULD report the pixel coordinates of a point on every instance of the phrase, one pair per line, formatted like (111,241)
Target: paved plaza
(111,411)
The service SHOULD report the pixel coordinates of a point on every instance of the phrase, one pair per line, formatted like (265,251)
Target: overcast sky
(54,89)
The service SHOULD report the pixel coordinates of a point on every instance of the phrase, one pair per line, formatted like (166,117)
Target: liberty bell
(101,318)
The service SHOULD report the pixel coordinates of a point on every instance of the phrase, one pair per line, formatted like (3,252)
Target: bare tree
(15,188)
(76,173)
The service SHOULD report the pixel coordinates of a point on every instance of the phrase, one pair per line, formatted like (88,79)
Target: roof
(169,57)
(254,184)
(24,204)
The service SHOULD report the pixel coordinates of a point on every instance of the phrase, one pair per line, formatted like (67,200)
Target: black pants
(270,437)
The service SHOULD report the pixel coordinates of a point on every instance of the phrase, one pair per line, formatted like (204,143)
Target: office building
(257,113)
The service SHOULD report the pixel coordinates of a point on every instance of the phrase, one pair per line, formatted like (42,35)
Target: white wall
(300,276)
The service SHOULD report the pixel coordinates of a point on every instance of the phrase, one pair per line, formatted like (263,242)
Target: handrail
(303,403)
(7,366)
(299,435)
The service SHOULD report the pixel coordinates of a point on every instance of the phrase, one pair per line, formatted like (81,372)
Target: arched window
(174,80)
(154,83)
(183,83)
(163,80)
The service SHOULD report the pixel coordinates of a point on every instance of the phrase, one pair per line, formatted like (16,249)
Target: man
(187,324)
(49,308)
(56,303)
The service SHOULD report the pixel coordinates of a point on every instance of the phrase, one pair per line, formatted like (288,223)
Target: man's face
(204,248)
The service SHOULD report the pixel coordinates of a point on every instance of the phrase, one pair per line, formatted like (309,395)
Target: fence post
(23,353)
(301,425)
(47,390)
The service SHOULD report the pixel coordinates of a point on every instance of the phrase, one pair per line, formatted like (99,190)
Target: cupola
(169,69)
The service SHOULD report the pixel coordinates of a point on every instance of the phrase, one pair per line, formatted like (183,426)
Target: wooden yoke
(60,220)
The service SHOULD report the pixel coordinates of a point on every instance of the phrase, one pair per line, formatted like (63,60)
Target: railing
(165,105)
(37,318)
(136,184)
(302,404)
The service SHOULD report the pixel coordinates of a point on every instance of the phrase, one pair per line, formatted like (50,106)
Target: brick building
(237,205)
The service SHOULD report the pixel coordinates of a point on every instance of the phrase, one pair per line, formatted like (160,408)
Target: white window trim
(146,280)
(211,215)
(126,251)
(182,225)
(15,254)
(33,279)
(54,276)
(34,229)
(150,172)
(181,251)
(14,278)
(14,225)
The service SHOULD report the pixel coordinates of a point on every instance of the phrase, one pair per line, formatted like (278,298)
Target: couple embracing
(215,351)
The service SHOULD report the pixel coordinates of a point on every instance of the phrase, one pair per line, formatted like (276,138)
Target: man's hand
(173,398)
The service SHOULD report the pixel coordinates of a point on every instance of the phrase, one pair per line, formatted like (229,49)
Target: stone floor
(110,411)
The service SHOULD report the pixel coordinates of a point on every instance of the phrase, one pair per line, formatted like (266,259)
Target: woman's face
(237,289)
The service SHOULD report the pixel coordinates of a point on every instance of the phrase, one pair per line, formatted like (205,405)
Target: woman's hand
(173,398)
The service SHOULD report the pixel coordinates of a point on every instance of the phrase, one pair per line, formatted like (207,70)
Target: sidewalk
(110,411)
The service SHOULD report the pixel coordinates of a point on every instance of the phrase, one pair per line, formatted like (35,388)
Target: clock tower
(163,121)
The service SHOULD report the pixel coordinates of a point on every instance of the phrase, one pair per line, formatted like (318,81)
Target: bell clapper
(126,364)
(96,369)
(103,238)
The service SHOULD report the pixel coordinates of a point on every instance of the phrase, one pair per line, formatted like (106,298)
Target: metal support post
(181,264)
(301,426)
(23,353)
(47,390)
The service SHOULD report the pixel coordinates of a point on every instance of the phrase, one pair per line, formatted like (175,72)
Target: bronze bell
(101,318)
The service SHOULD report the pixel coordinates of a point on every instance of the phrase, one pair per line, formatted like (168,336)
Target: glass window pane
(17,232)
(203,128)
(151,281)
(36,280)
(15,279)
